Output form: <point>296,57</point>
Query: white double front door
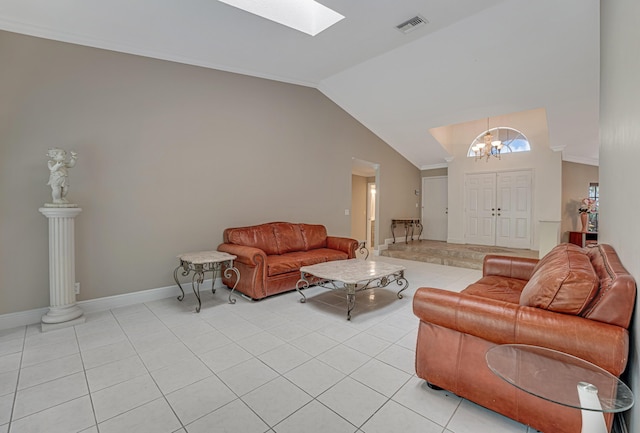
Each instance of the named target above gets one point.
<point>498,209</point>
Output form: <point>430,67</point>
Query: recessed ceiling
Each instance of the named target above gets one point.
<point>473,59</point>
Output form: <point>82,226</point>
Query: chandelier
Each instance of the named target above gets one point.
<point>488,147</point>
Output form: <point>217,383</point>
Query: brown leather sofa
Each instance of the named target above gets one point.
<point>270,255</point>
<point>574,300</point>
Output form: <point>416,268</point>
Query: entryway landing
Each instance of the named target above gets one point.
<point>443,253</point>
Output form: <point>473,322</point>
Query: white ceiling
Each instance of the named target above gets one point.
<point>474,59</point>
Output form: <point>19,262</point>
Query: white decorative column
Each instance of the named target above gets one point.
<point>63,310</point>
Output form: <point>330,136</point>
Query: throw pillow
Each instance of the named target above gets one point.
<point>564,281</point>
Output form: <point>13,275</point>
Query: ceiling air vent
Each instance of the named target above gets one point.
<point>412,24</point>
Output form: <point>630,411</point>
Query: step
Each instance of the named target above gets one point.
<point>434,257</point>
<point>439,252</point>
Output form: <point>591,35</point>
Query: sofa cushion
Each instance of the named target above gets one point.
<point>315,236</point>
<point>288,237</point>
<point>292,262</point>
<point>497,287</point>
<point>260,236</point>
<point>330,255</point>
<point>563,281</point>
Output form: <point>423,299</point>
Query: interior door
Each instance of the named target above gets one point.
<point>435,216</point>
<point>480,208</point>
<point>513,211</point>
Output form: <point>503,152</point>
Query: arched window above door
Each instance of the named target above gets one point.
<point>512,140</point>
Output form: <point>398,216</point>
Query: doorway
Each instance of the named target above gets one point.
<point>498,209</point>
<point>364,201</point>
<point>371,214</point>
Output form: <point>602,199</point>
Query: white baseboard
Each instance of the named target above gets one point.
<point>385,245</point>
<point>22,318</point>
<point>29,317</point>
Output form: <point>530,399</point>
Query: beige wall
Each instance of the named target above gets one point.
<point>545,164</point>
<point>619,155</point>
<point>359,207</point>
<point>575,186</point>
<point>169,155</point>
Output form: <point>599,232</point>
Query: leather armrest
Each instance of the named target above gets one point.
<point>248,255</point>
<point>347,245</point>
<point>505,266</point>
<point>502,322</point>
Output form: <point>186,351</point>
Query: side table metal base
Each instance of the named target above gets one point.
<point>199,263</point>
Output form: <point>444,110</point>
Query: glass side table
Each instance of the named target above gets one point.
<point>563,379</point>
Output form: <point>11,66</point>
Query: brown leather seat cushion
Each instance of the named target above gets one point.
<point>564,281</point>
<point>497,287</point>
<point>292,262</point>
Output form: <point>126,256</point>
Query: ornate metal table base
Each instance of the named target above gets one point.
<point>363,250</point>
<point>353,283</point>
<point>409,223</point>
<point>206,261</point>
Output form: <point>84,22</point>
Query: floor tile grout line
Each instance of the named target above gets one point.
<point>15,393</point>
<point>446,427</point>
<point>414,375</point>
<point>315,399</point>
<point>86,379</point>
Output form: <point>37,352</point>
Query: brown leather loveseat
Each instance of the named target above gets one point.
<point>574,300</point>
<point>270,255</point>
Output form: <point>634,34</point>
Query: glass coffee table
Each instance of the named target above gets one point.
<point>563,379</point>
<point>352,275</point>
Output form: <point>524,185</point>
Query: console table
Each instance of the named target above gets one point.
<point>582,239</point>
<point>201,262</point>
<point>563,379</point>
<point>409,224</point>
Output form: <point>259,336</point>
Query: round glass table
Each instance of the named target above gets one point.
<point>563,379</point>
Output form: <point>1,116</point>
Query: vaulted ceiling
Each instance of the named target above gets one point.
<point>474,59</point>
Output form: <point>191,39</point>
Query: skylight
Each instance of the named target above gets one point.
<point>307,16</point>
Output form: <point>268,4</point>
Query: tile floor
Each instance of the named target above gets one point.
<point>270,366</point>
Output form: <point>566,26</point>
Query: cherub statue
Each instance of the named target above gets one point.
<point>59,173</point>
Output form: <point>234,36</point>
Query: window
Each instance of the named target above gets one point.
<point>512,140</point>
<point>594,194</point>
